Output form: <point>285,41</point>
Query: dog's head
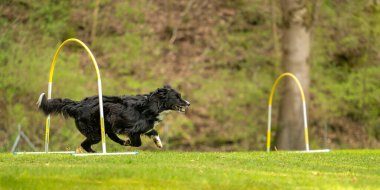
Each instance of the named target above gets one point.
<point>170,99</point>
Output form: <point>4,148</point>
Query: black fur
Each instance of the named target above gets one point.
<point>124,115</point>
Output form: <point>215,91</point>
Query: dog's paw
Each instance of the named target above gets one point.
<point>127,142</point>
<point>79,149</point>
<point>157,141</point>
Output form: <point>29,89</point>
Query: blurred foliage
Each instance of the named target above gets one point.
<point>219,54</point>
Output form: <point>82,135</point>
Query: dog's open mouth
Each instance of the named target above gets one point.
<point>180,108</point>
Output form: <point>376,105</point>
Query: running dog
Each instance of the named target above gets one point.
<point>131,116</point>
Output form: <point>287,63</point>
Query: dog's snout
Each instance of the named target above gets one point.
<point>187,103</point>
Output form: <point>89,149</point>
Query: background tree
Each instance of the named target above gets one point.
<point>295,55</point>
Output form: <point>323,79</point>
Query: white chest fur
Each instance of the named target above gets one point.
<point>161,116</point>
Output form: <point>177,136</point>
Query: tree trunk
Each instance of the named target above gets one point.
<point>295,55</point>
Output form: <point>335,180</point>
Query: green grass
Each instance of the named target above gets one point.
<point>194,170</point>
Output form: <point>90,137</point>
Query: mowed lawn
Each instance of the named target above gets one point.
<point>358,169</point>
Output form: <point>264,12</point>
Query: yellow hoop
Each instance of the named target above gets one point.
<point>99,91</point>
<point>270,109</point>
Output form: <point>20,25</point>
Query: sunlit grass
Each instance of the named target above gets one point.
<point>194,170</point>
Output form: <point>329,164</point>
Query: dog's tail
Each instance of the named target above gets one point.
<point>56,106</point>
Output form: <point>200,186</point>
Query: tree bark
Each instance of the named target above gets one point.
<point>295,54</point>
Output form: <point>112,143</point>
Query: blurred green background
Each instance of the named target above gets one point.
<point>220,54</point>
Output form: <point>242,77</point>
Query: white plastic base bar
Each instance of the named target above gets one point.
<point>106,154</point>
<point>57,152</point>
<point>315,151</point>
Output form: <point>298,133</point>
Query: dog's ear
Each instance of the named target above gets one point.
<point>162,92</point>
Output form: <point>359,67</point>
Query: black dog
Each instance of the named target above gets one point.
<point>125,115</point>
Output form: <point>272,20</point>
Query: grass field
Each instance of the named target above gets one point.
<point>358,169</point>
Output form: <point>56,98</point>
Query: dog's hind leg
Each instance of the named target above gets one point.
<point>86,144</point>
<point>115,138</point>
<point>153,134</point>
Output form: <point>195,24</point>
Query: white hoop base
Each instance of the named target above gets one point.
<point>57,152</point>
<point>314,151</point>
<point>79,154</point>
<point>106,154</point>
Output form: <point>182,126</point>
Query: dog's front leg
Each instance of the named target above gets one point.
<point>155,137</point>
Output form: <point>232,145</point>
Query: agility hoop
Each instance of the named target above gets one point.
<point>304,113</point>
<point>50,85</point>
<point>100,95</point>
